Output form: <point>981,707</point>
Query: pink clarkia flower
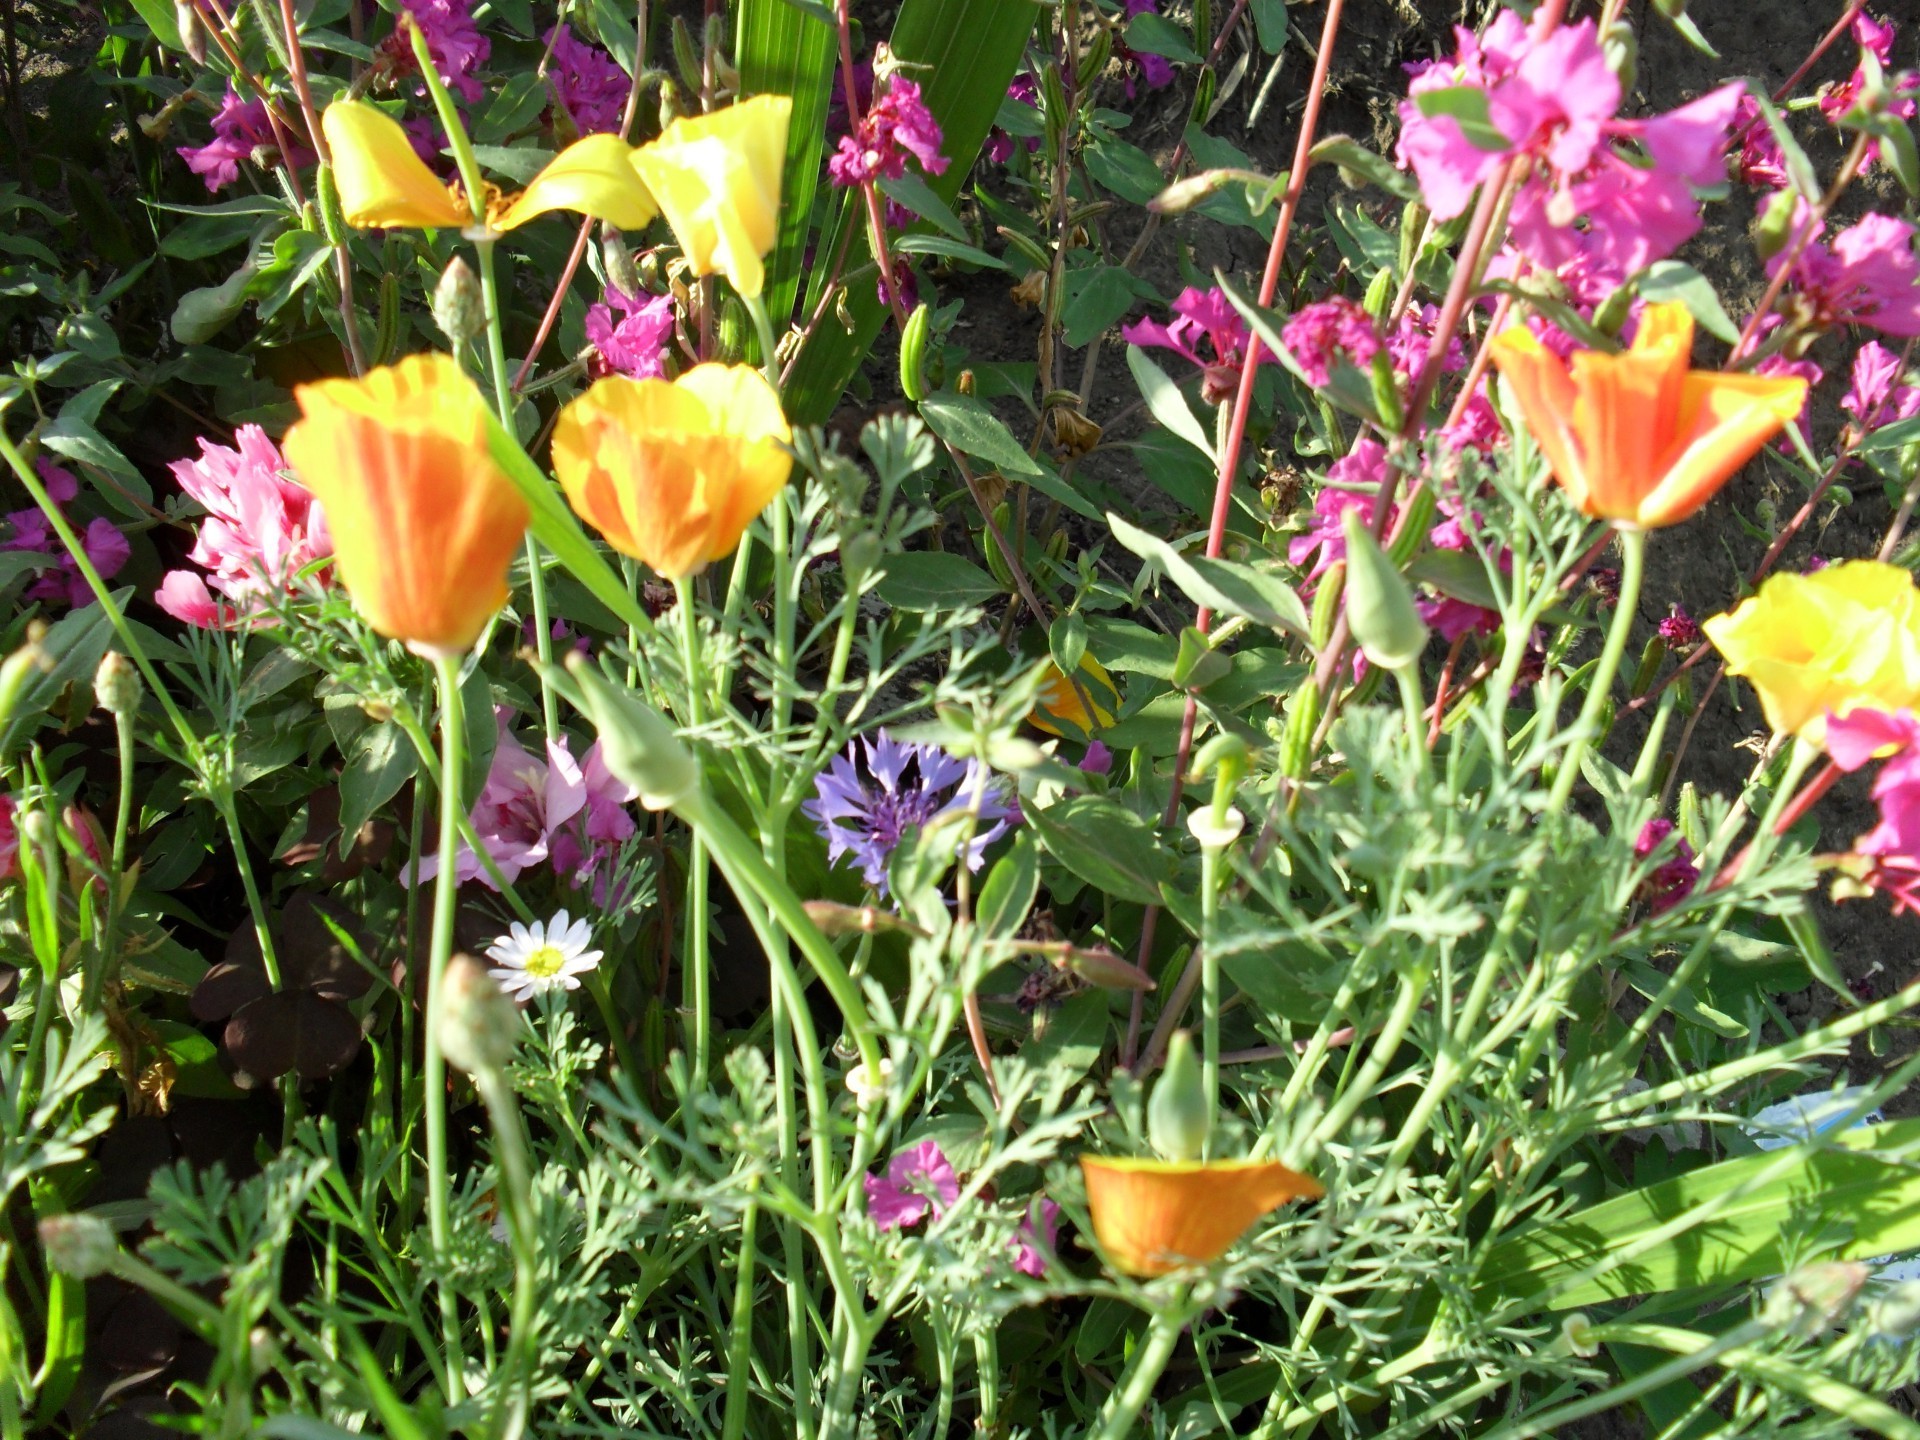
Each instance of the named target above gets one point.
<point>1155,70</point>
<point>918,1182</point>
<point>1352,484</point>
<point>1000,144</point>
<point>1412,337</point>
<point>1761,163</point>
<point>1877,395</point>
<point>1028,1256</point>
<point>1894,844</point>
<point>562,813</point>
<point>634,345</point>
<point>1868,276</point>
<point>453,40</point>
<point>60,581</point>
<point>1679,629</point>
<point>1208,332</point>
<point>262,529</point>
<point>1900,89</point>
<point>1779,365</point>
<point>898,125</point>
<point>240,128</point>
<point>1674,878</point>
<point>1315,334</point>
<point>589,84</point>
<point>9,839</point>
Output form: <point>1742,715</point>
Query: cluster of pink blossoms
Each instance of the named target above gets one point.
<point>569,814</point>
<point>262,529</point>
<point>240,131</point>
<point>59,581</point>
<point>1762,162</point>
<point>921,1181</point>
<point>588,83</point>
<point>1879,393</point>
<point>453,40</point>
<point>635,345</point>
<point>1892,848</point>
<point>897,125</point>
<point>1201,318</point>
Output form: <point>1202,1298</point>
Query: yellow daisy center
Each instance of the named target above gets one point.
<point>545,962</point>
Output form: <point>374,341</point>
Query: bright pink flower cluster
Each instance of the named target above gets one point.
<point>635,345</point>
<point>1588,203</point>
<point>453,40</point>
<point>1673,879</point>
<point>571,815</point>
<point>897,125</point>
<point>240,129</point>
<point>1875,37</point>
<point>1201,318</point>
<point>1893,846</point>
<point>1867,276</point>
<point>59,581</point>
<point>262,529</point>
<point>1880,394</point>
<point>588,82</point>
<point>921,1181</point>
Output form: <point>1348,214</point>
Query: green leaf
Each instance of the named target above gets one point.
<point>783,49</point>
<point>1156,35</point>
<point>1876,1198</point>
<point>972,429</point>
<point>482,730</point>
<point>1674,280</point>
<point>1106,845</point>
<point>935,580</point>
<point>202,314</point>
<point>519,163</point>
<point>913,192</point>
<point>948,249</point>
<point>74,438</point>
<point>518,104</point>
<point>1011,886</point>
<point>1270,24</point>
<point>1221,585</point>
<point>383,760</point>
<point>1466,106</point>
<point>1350,155</point>
<point>964,53</point>
<point>1126,170</point>
<point>1097,296</point>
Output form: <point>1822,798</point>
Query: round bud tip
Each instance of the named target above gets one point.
<point>78,1245</point>
<point>479,1025</point>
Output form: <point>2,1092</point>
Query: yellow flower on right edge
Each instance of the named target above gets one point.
<point>717,180</point>
<point>1639,438</point>
<point>1841,639</point>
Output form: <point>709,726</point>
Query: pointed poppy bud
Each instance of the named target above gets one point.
<point>1638,438</point>
<point>673,472</point>
<point>717,180</point>
<point>424,522</point>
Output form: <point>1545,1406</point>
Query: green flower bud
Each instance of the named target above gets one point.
<point>479,1024</point>
<point>1379,602</point>
<point>636,741</point>
<point>78,1245</point>
<point>1303,720</point>
<point>1180,1112</point>
<point>1326,605</point>
<point>459,309</point>
<point>116,684</point>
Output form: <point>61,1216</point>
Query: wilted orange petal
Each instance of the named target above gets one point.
<point>1153,1216</point>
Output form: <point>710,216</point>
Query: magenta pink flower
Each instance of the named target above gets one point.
<point>453,40</point>
<point>1893,846</point>
<point>1028,1257</point>
<point>1761,164</point>
<point>1868,276</point>
<point>1155,70</point>
<point>1335,327</point>
<point>897,126</point>
<point>1875,38</point>
<point>240,128</point>
<point>918,1182</point>
<point>9,839</point>
<point>1878,396</point>
<point>589,84</point>
<point>1412,336</point>
<point>1353,481</point>
<point>636,344</point>
<point>1680,630</point>
<point>60,582</point>
<point>1000,145</point>
<point>565,814</point>
<point>1674,878</point>
<point>1201,318</point>
<point>262,529</point>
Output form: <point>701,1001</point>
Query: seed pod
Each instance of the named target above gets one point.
<point>386,322</point>
<point>996,561</point>
<point>330,217</point>
<point>1303,719</point>
<point>618,259</point>
<point>1379,294</point>
<point>1094,61</point>
<point>1326,605</point>
<point>1417,519</point>
<point>1775,226</point>
<point>913,351</point>
<point>459,309</point>
<point>193,39</point>
<point>1386,392</point>
<point>1379,602</point>
<point>685,58</point>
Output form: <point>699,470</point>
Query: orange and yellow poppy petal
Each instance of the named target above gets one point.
<point>424,523</point>
<point>1152,1217</point>
<point>717,181</point>
<point>746,409</point>
<point>1088,706</point>
<point>382,183</point>
<point>1544,391</point>
<point>1722,423</point>
<point>1623,417</point>
<point>593,176</point>
<point>621,473</point>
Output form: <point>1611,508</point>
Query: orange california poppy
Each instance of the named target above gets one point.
<point>673,472</point>
<point>424,523</point>
<point>1154,1216</point>
<point>1638,438</point>
<point>1088,706</point>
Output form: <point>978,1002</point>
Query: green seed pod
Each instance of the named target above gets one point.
<point>686,59</point>
<point>1421,504</point>
<point>1386,392</point>
<point>913,352</point>
<point>1180,1112</point>
<point>1774,228</point>
<point>1303,720</point>
<point>386,322</point>
<point>1326,605</point>
<point>1203,92</point>
<point>636,741</point>
<point>331,219</point>
<point>619,262</point>
<point>1413,224</point>
<point>1379,602</point>
<point>1614,310</point>
<point>1651,659</point>
<point>996,561</point>
<point>1379,294</point>
<point>1093,62</point>
<point>732,334</point>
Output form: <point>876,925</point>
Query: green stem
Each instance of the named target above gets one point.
<point>986,1369</point>
<point>1149,1363</point>
<point>696,981</point>
<point>1633,557</point>
<point>516,1189</point>
<point>740,1340</point>
<point>433,1069</point>
<point>1210,858</point>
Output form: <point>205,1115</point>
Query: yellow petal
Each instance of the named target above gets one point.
<point>717,179</point>
<point>1152,1217</point>
<point>382,183</point>
<point>424,523</point>
<point>594,176</point>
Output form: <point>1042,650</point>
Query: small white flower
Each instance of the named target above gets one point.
<point>529,961</point>
<point>864,1090</point>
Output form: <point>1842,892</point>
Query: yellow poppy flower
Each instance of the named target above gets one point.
<point>1841,639</point>
<point>383,184</point>
<point>1155,1216</point>
<point>1638,438</point>
<point>672,472</point>
<point>1089,706</point>
<point>424,524</point>
<point>717,180</point>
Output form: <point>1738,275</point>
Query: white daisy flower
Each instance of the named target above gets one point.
<point>529,961</point>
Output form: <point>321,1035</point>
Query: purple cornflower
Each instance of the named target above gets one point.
<point>240,129</point>
<point>878,788</point>
<point>1316,333</point>
<point>1201,316</point>
<point>590,86</point>
<point>1674,878</point>
<point>1679,629</point>
<point>917,1181</point>
<point>898,125</point>
<point>636,344</point>
<point>1000,145</point>
<point>61,582</point>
